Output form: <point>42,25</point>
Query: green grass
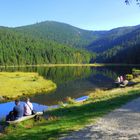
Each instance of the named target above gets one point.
<point>15,84</point>
<point>72,117</point>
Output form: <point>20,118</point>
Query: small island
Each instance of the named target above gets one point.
<point>16,84</point>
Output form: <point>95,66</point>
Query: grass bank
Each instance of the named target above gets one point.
<point>15,84</point>
<point>72,117</point>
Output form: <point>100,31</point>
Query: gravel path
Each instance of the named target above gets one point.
<point>121,124</point>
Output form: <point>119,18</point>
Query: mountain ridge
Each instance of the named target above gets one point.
<point>105,46</point>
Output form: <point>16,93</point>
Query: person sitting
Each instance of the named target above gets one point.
<point>10,116</point>
<point>118,79</point>
<point>117,82</point>
<point>121,79</point>
<point>16,113</point>
<point>18,110</point>
<point>28,107</point>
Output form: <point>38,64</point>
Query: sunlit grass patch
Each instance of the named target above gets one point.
<point>14,84</point>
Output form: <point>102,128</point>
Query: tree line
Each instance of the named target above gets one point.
<point>19,49</point>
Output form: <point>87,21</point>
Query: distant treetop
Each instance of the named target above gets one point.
<point>128,2</point>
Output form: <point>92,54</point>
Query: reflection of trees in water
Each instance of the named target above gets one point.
<point>105,72</point>
<point>121,70</point>
<point>64,74</point>
<point>71,81</point>
<point>57,74</point>
<point>74,82</point>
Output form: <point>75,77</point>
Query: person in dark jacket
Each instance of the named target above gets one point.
<point>16,113</point>
<point>18,110</point>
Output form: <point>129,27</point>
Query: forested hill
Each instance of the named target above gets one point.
<point>121,45</point>
<point>114,37</point>
<point>109,45</point>
<point>20,49</point>
<point>62,33</point>
<point>55,42</point>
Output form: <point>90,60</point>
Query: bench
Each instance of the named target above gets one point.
<point>24,118</point>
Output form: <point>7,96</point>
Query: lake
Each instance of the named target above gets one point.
<point>71,82</point>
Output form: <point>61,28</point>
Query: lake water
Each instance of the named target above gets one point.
<point>71,82</point>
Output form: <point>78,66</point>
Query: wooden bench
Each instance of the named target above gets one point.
<point>24,118</point>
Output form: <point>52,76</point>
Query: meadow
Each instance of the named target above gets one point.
<point>17,84</point>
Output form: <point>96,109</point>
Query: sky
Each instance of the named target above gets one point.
<point>85,14</point>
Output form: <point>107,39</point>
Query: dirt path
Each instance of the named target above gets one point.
<point>121,124</point>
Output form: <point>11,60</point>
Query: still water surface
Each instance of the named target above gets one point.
<point>71,82</point>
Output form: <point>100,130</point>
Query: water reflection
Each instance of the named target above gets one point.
<point>71,81</point>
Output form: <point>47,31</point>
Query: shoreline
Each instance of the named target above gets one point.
<point>75,116</point>
<point>70,65</point>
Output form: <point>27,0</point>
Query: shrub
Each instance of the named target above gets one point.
<point>61,104</point>
<point>135,72</point>
<point>96,94</point>
<point>129,76</point>
<point>69,100</point>
<point>35,78</point>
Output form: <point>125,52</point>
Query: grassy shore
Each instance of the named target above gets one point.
<point>74,116</point>
<point>15,84</point>
<point>71,65</point>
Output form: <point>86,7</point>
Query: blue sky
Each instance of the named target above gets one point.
<point>85,14</point>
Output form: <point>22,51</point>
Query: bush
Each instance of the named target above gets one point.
<point>135,72</point>
<point>129,76</point>
<point>96,94</point>
<point>61,104</point>
<point>69,100</point>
